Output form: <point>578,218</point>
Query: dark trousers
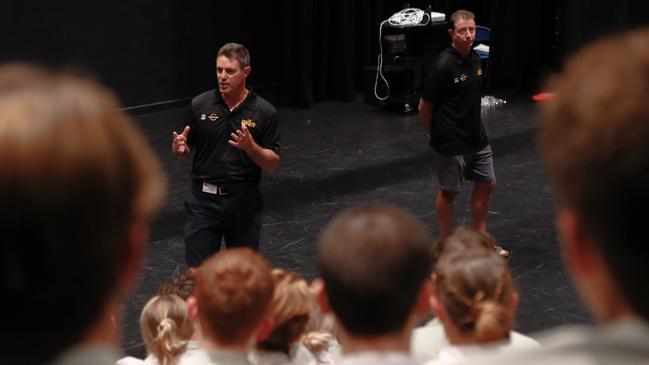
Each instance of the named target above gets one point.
<point>234,214</point>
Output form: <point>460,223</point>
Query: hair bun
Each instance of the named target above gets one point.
<point>492,321</point>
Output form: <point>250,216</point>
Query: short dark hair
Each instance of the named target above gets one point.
<point>374,260</point>
<point>461,14</point>
<point>594,137</point>
<point>76,176</point>
<point>235,51</point>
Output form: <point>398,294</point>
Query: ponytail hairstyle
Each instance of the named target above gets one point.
<point>320,331</point>
<point>290,310</point>
<point>166,328</point>
<point>476,288</point>
<point>317,341</point>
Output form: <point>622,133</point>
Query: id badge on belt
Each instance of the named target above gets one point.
<point>213,189</point>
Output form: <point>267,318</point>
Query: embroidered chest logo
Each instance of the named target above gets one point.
<point>203,116</point>
<point>213,117</point>
<point>463,77</point>
<point>478,71</point>
<point>248,123</point>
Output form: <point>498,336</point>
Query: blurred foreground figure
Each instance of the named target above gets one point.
<point>79,185</point>
<point>594,142</point>
<point>375,263</point>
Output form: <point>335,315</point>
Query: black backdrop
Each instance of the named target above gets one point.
<point>303,51</point>
<point>148,51</point>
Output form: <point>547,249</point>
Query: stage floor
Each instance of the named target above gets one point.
<point>337,155</point>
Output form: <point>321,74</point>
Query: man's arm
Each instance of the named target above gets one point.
<point>265,158</point>
<point>425,114</point>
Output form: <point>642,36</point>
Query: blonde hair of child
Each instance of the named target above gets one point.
<point>166,327</point>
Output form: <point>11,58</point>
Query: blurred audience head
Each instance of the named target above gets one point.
<point>181,285</point>
<point>474,294</point>
<point>166,328</point>
<point>375,262</point>
<point>594,135</point>
<point>290,311</point>
<point>79,186</point>
<point>234,289</point>
<point>463,239</point>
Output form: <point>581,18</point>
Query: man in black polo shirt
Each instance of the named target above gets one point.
<point>450,111</point>
<point>233,135</point>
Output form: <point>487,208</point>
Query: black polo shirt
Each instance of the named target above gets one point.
<point>212,122</point>
<point>453,86</point>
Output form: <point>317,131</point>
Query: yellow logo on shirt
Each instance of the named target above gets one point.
<point>248,123</point>
<point>213,117</point>
<point>479,71</point>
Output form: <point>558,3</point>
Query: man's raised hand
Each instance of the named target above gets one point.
<point>179,143</point>
<point>242,139</point>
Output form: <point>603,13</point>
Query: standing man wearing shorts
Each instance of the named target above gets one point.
<point>449,110</point>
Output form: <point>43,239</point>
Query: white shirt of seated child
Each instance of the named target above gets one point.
<point>428,340</point>
<point>429,344</point>
<point>378,358</point>
<point>298,355</point>
<point>93,354</point>
<point>453,354</point>
<point>621,342</point>
<point>203,356</point>
<point>192,347</point>
<point>331,355</point>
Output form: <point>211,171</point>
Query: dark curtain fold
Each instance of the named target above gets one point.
<point>325,46</point>
<point>327,43</point>
<point>587,21</point>
<point>303,51</point>
<point>296,57</point>
<point>523,39</point>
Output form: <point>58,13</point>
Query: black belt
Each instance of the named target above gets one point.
<point>217,189</point>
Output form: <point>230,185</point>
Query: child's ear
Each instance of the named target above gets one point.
<point>192,308</point>
<point>433,300</point>
<point>266,327</point>
<point>320,293</point>
<point>422,305</point>
<point>513,304</point>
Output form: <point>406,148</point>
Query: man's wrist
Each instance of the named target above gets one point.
<point>183,153</point>
<point>252,149</point>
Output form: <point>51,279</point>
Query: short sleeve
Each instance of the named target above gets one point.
<point>433,83</point>
<point>270,134</point>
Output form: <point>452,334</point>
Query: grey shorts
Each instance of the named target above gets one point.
<point>453,170</point>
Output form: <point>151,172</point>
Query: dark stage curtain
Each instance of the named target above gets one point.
<point>325,45</point>
<point>523,45</point>
<point>586,21</point>
<point>303,51</point>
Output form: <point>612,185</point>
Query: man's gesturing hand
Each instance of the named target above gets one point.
<point>242,139</point>
<point>179,144</point>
